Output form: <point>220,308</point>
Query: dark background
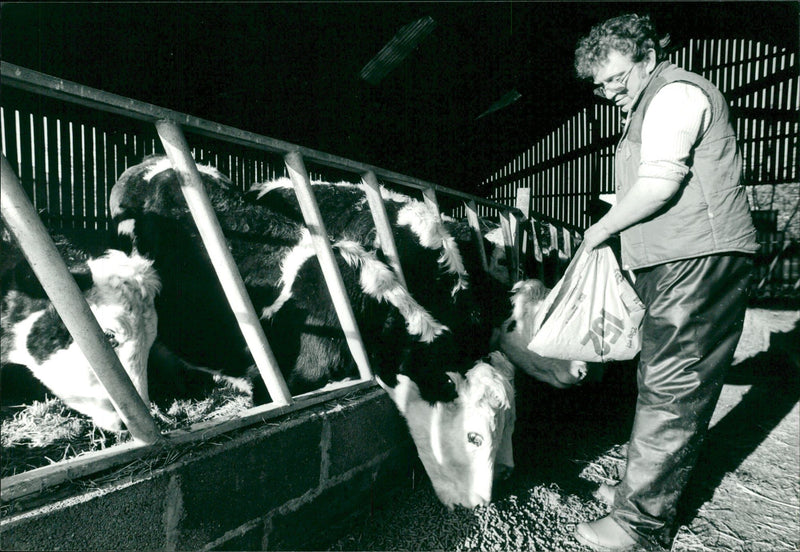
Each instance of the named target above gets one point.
<point>291,70</point>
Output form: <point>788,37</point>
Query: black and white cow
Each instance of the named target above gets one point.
<point>517,331</point>
<point>422,339</point>
<point>120,290</point>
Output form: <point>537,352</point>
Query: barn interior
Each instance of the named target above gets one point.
<point>447,92</point>
<point>469,87</point>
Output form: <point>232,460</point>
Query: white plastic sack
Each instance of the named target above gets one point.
<point>592,314</point>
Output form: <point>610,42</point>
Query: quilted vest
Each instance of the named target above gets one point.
<point>709,214</point>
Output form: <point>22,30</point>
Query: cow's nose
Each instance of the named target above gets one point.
<point>477,499</point>
<point>502,472</point>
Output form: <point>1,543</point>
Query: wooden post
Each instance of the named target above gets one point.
<point>330,269</point>
<point>382,224</point>
<point>228,273</point>
<point>38,248</point>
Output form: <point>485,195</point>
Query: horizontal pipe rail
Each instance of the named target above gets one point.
<point>46,262</point>
<point>47,85</point>
<point>207,224</point>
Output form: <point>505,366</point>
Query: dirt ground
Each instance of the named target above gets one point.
<point>744,494</point>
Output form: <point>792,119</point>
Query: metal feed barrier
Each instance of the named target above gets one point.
<point>38,248</point>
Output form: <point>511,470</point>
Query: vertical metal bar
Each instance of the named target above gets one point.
<point>60,286</point>
<point>429,196</point>
<point>330,269</point>
<point>567,242</point>
<point>553,237</point>
<point>207,224</point>
<point>537,249</point>
<point>474,223</point>
<point>512,256</point>
<point>382,224</point>
<point>519,243</point>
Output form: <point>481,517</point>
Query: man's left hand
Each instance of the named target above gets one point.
<point>595,236</point>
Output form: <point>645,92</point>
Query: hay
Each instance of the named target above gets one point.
<point>46,432</point>
<point>41,424</point>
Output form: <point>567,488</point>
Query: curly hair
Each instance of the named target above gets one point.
<point>628,34</point>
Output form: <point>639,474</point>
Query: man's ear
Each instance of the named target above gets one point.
<point>651,60</point>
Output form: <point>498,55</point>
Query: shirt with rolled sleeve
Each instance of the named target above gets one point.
<point>678,115</point>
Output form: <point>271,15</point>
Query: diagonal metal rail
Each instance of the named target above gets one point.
<point>221,258</point>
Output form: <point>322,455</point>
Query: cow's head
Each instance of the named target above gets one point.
<point>517,331</point>
<point>121,299</point>
<point>464,442</point>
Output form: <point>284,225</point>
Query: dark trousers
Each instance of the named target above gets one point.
<point>695,314</point>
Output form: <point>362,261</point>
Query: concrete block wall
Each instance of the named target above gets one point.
<point>279,486</point>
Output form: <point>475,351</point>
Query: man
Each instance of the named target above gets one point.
<point>686,233</point>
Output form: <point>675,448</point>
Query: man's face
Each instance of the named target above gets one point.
<point>621,79</point>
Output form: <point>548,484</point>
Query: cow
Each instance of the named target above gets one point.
<point>517,331</point>
<point>464,444</point>
<point>120,291</point>
<point>513,333</point>
<point>422,338</point>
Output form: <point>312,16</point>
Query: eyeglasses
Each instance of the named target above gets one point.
<point>617,84</point>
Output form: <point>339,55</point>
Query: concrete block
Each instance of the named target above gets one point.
<point>357,436</point>
<point>248,539</point>
<point>314,524</point>
<point>247,480</point>
<point>125,517</point>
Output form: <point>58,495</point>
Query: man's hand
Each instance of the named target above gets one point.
<point>595,235</point>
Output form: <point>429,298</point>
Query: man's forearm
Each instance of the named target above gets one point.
<point>646,197</point>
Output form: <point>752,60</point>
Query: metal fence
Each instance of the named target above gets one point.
<point>564,171</point>
<point>65,144</point>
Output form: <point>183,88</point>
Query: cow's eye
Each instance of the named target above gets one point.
<point>112,339</point>
<point>511,326</point>
<point>475,438</point>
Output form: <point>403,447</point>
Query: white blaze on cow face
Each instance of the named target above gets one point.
<point>517,331</point>
<point>121,300</point>
<point>461,443</point>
